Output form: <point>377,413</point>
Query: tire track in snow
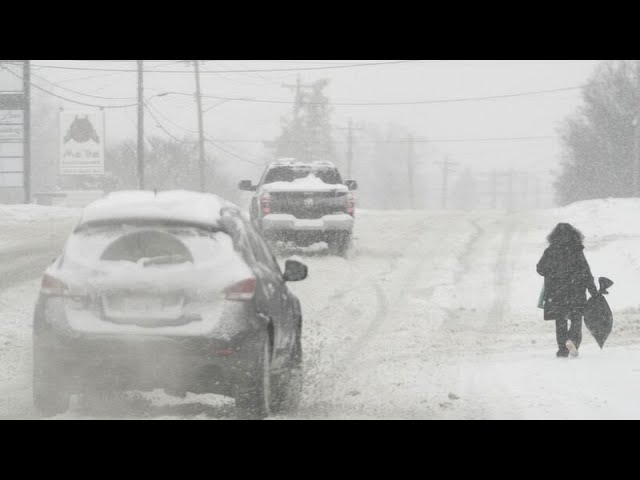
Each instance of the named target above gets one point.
<point>389,301</point>
<point>331,378</point>
<point>502,288</point>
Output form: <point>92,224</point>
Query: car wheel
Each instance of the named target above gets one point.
<point>253,399</point>
<point>50,396</point>
<point>287,392</point>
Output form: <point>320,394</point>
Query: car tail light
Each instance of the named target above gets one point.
<point>244,290</point>
<point>53,286</point>
<point>351,204</point>
<point>225,352</point>
<point>265,204</point>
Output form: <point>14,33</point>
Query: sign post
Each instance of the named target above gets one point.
<point>14,136</point>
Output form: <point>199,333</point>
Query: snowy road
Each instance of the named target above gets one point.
<point>432,317</point>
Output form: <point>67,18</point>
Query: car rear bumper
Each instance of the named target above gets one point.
<point>278,222</point>
<point>145,362</point>
<point>180,365</point>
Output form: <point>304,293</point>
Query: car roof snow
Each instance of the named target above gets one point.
<point>179,206</point>
<point>292,162</point>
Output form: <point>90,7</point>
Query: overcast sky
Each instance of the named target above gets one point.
<point>522,116</point>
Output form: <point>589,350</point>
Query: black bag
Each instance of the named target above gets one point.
<point>597,314</point>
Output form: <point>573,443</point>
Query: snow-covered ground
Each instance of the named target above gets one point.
<point>432,317</point>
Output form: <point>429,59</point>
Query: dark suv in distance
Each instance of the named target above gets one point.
<point>305,203</point>
<point>173,290</point>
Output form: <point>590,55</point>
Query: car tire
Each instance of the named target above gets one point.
<point>253,398</point>
<point>50,397</point>
<point>287,391</point>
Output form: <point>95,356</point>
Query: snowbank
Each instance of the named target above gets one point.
<point>11,215</point>
<point>612,239</point>
<point>34,226</point>
<point>535,385</point>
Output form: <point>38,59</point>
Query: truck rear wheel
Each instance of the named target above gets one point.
<point>340,244</point>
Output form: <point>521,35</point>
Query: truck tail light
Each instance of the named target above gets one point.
<point>265,204</point>
<point>350,206</point>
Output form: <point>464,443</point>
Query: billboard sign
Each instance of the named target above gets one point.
<point>81,143</point>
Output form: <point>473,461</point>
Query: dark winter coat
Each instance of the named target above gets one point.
<point>567,277</point>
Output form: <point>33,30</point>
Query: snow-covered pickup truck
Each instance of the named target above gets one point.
<point>305,203</point>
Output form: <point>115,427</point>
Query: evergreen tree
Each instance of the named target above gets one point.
<point>598,140</point>
<point>307,134</point>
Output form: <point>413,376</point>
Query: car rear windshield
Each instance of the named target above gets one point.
<point>147,244</point>
<point>289,174</point>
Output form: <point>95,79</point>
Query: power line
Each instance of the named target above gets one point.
<point>105,75</point>
<point>208,140</point>
<point>218,146</point>
<point>159,112</point>
<point>163,128</point>
<point>394,102</point>
<point>69,99</point>
<point>419,140</point>
<point>297,69</point>
<point>81,93</point>
<point>353,103</point>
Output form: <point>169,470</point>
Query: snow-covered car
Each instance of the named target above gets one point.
<point>304,202</point>
<point>172,290</point>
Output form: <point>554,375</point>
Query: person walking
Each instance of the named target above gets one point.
<point>567,277</point>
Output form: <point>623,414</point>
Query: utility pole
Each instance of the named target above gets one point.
<point>26,76</point>
<point>200,126</point>
<point>494,190</point>
<point>446,168</point>
<point>350,130</point>
<point>297,105</point>
<point>140,125</point>
<point>410,169</point>
<point>636,158</point>
<point>349,148</point>
<point>526,194</point>
<point>297,108</point>
<point>298,100</point>
<point>510,202</point>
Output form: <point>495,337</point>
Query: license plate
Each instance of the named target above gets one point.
<point>139,304</point>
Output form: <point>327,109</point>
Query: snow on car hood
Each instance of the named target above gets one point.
<point>310,183</point>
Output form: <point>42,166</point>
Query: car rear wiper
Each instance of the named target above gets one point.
<point>164,259</point>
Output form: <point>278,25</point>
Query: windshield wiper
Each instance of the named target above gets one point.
<point>164,260</point>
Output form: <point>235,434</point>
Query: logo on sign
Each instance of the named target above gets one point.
<point>81,130</point>
<point>81,143</point>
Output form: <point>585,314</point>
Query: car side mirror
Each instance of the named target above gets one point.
<point>351,184</point>
<point>247,186</point>
<point>295,271</point>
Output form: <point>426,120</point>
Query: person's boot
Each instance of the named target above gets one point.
<point>573,350</point>
<point>563,352</point>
